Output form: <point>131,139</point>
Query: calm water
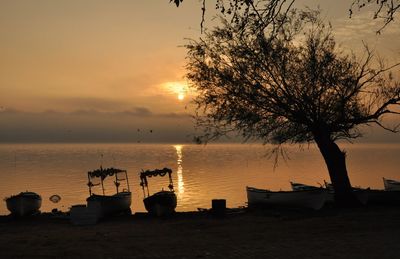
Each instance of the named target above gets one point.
<point>200,173</point>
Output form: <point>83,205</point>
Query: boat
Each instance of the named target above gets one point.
<point>106,205</point>
<point>390,195</point>
<point>24,204</point>
<point>161,203</point>
<point>391,185</point>
<point>361,194</point>
<point>311,199</point>
<point>301,187</point>
<point>380,197</point>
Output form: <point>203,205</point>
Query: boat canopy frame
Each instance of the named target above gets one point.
<point>103,173</point>
<point>153,173</point>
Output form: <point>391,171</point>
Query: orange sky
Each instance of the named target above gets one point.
<point>110,57</point>
<point>103,55</point>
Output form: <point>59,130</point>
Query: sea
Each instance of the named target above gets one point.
<point>200,172</point>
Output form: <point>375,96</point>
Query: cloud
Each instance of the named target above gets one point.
<point>362,28</point>
<point>142,112</point>
<point>87,103</point>
<point>95,126</point>
<point>6,110</point>
<point>138,111</point>
<point>137,125</point>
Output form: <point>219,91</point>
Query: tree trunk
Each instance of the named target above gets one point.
<point>335,160</point>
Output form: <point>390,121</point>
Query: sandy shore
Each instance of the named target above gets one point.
<point>372,232</point>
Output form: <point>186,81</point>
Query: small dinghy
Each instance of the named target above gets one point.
<point>161,203</point>
<point>24,204</point>
<point>311,199</point>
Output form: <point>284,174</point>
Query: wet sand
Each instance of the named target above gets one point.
<point>371,232</point>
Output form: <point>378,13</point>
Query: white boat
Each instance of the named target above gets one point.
<point>301,187</point>
<point>312,199</point>
<point>24,204</point>
<point>391,185</point>
<point>360,193</point>
<point>106,205</point>
<point>111,204</point>
<point>161,203</point>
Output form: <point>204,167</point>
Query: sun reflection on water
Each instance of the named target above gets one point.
<point>181,184</point>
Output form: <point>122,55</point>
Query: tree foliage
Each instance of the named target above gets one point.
<point>176,2</point>
<point>280,78</point>
<point>285,81</point>
<point>383,9</point>
<point>273,73</point>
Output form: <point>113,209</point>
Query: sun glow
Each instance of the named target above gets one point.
<point>179,89</point>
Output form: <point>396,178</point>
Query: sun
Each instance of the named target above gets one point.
<point>177,88</point>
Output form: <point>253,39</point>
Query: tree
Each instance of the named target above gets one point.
<point>235,8</point>
<point>383,9</point>
<point>286,82</point>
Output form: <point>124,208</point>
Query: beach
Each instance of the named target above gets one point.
<point>367,232</point>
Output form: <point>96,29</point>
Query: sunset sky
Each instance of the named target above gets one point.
<point>96,70</point>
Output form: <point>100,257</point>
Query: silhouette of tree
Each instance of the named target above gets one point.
<point>177,2</point>
<point>286,82</point>
<point>383,9</point>
<point>235,8</point>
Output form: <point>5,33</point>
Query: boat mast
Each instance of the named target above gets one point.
<point>116,181</point>
<point>171,184</point>
<point>89,184</point>
<point>102,185</point>
<point>127,181</point>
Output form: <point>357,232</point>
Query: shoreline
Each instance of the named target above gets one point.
<point>365,232</point>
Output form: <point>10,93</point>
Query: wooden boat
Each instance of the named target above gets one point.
<point>160,203</point>
<point>106,205</point>
<point>24,204</point>
<point>391,185</point>
<point>383,197</point>
<point>360,193</point>
<point>312,199</point>
<point>302,187</point>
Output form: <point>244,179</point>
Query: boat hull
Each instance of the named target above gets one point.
<point>361,194</point>
<point>161,203</point>
<point>311,199</point>
<point>384,197</point>
<point>24,204</point>
<point>391,185</point>
<point>110,204</point>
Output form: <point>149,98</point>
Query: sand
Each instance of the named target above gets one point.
<point>369,232</point>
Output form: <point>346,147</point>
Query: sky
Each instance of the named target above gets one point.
<point>113,71</point>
